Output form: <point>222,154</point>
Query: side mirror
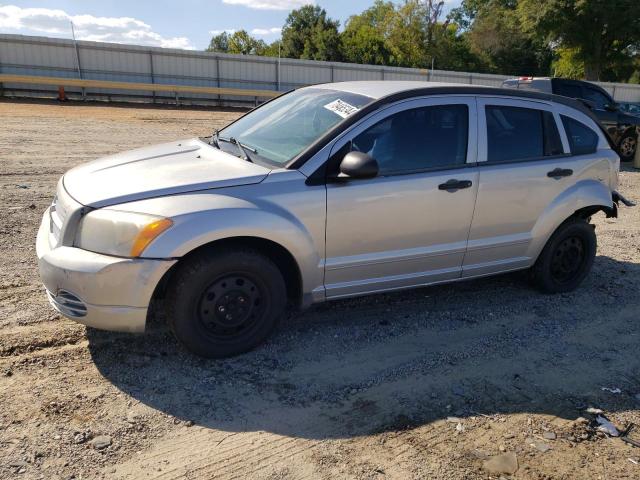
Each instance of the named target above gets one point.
<point>612,107</point>
<point>358,165</point>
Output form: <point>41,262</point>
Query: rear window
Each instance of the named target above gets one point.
<point>582,140</point>
<point>516,133</point>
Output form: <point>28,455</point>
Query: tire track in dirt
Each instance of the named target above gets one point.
<point>29,340</point>
<point>250,453</point>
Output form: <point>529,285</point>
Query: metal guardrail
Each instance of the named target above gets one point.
<point>153,87</point>
<point>166,71</point>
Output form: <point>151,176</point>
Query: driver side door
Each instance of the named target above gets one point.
<point>408,226</point>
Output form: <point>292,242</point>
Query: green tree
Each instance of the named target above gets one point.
<point>496,34</point>
<point>310,34</point>
<point>365,37</point>
<point>219,43</point>
<point>239,42</point>
<point>568,64</point>
<point>407,35</point>
<point>273,49</point>
<point>603,33</point>
<point>451,50</point>
<point>243,43</point>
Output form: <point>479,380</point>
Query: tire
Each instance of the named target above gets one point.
<point>627,146</point>
<point>225,303</point>
<point>567,257</point>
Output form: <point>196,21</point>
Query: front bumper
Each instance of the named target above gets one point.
<point>100,291</point>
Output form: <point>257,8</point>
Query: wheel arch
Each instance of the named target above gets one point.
<point>283,258</point>
<point>582,200</point>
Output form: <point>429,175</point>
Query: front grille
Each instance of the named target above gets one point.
<point>67,304</point>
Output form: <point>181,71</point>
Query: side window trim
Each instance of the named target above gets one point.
<point>563,135</point>
<point>483,145</point>
<point>374,118</point>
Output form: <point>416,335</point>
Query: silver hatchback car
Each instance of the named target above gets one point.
<point>327,192</point>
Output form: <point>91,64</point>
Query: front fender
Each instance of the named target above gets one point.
<point>200,219</point>
<point>583,194</point>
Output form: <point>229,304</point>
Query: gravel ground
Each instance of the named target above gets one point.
<point>467,381</point>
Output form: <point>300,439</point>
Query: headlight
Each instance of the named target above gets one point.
<point>123,234</point>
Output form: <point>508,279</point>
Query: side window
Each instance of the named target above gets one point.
<point>597,97</point>
<point>569,90</point>
<point>582,139</point>
<point>516,133</point>
<point>417,139</point>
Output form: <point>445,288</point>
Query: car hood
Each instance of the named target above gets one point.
<point>630,118</point>
<point>170,168</point>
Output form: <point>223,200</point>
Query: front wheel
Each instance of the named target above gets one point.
<point>567,257</point>
<point>225,303</point>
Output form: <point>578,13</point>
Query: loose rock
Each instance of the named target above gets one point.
<point>539,445</point>
<point>133,417</point>
<point>506,463</point>
<point>101,442</point>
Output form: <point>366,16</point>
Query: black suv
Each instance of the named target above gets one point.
<point>622,127</point>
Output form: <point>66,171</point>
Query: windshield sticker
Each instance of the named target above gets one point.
<point>341,108</point>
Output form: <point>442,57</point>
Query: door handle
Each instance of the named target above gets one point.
<point>453,185</point>
<point>560,172</point>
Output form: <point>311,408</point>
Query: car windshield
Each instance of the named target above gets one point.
<point>282,128</point>
<point>632,108</point>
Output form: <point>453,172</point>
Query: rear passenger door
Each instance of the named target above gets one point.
<point>524,163</point>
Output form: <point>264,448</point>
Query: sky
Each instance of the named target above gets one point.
<point>187,24</point>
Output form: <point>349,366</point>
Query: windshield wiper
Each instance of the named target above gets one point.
<point>241,146</point>
<point>214,138</point>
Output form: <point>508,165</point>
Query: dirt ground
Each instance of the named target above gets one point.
<point>431,383</point>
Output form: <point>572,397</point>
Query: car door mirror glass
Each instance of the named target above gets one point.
<point>612,107</point>
<point>358,165</point>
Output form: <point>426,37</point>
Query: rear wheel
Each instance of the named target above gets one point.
<point>567,257</point>
<point>225,303</point>
<point>627,146</point>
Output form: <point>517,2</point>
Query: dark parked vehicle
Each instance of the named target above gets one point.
<point>630,108</point>
<point>623,127</point>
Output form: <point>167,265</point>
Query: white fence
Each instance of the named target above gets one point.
<point>42,56</point>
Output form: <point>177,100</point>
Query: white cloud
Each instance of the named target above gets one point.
<point>226,30</point>
<point>87,27</point>
<point>270,4</point>
<point>266,31</point>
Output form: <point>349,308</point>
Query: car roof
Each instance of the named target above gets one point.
<point>381,88</point>
<point>389,90</point>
